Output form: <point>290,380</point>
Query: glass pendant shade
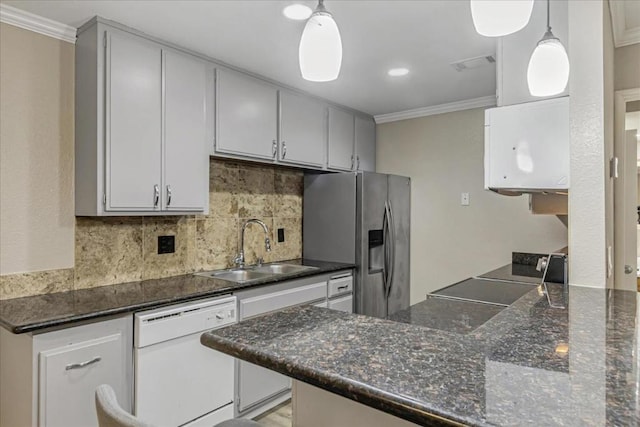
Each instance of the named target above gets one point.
<point>320,51</point>
<point>548,71</point>
<point>495,18</point>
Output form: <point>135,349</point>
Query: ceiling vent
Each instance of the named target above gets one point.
<point>472,63</point>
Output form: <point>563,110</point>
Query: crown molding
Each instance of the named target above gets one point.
<point>29,21</point>
<point>483,102</point>
<point>622,36</point>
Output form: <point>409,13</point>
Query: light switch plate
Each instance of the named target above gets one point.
<point>464,200</point>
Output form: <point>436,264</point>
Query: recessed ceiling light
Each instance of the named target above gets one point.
<point>398,72</point>
<point>297,12</point>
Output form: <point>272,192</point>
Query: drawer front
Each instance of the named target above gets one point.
<point>70,375</point>
<point>278,300</point>
<point>342,304</point>
<point>340,286</point>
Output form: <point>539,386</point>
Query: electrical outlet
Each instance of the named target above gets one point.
<point>166,244</point>
<point>464,199</point>
<point>280,235</point>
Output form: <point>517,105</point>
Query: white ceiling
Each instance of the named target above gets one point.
<point>424,36</point>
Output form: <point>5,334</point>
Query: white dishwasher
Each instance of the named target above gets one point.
<point>178,381</point>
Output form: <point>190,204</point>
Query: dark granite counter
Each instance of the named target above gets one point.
<point>515,273</point>
<point>529,364</point>
<point>29,314</point>
<point>447,315</point>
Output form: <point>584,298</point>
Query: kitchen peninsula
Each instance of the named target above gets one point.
<point>529,364</point>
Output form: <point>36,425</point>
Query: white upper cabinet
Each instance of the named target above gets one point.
<point>247,116</point>
<point>527,146</point>
<point>341,140</point>
<point>365,144</point>
<point>133,103</point>
<point>142,122</point>
<point>514,51</point>
<point>148,116</point>
<point>303,138</point>
<point>186,118</point>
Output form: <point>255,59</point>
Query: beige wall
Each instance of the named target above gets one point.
<point>627,67</point>
<point>36,151</point>
<point>443,155</point>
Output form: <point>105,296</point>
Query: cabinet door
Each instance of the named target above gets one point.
<point>341,143</point>
<point>365,144</point>
<point>69,376</point>
<point>133,123</point>
<point>342,304</point>
<point>527,146</point>
<point>247,116</point>
<point>258,384</point>
<point>302,130</point>
<point>185,154</point>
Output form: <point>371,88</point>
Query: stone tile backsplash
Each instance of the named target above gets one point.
<point>124,249</point>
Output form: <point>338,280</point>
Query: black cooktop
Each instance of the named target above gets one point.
<point>487,291</point>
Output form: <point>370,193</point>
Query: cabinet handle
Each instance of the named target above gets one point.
<point>352,162</point>
<point>284,149</point>
<point>358,162</point>
<point>156,195</point>
<point>168,195</point>
<point>341,288</point>
<point>274,148</point>
<point>83,364</point>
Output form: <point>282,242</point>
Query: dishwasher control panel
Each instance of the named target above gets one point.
<point>162,324</point>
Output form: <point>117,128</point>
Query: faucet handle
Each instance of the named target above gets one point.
<point>239,260</point>
<point>267,244</point>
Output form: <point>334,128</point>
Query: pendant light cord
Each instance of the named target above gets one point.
<point>548,18</point>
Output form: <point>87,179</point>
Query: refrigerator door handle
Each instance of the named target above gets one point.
<point>392,248</point>
<point>385,249</point>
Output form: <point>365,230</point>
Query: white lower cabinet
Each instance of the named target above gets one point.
<point>259,389</point>
<point>255,384</point>
<point>70,375</point>
<point>342,304</point>
<point>66,368</point>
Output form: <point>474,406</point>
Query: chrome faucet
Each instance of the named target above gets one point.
<point>239,260</point>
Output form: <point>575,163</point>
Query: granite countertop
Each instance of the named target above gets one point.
<point>529,364</point>
<point>29,314</point>
<point>522,268</point>
<point>515,273</point>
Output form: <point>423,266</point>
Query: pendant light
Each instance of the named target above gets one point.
<point>320,51</point>
<point>548,71</point>
<point>495,18</point>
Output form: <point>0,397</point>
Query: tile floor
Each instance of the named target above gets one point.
<point>280,416</point>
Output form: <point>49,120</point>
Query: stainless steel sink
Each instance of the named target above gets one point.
<point>284,268</point>
<point>247,274</point>
<point>236,275</point>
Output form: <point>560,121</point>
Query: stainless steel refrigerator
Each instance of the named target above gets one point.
<point>364,219</point>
